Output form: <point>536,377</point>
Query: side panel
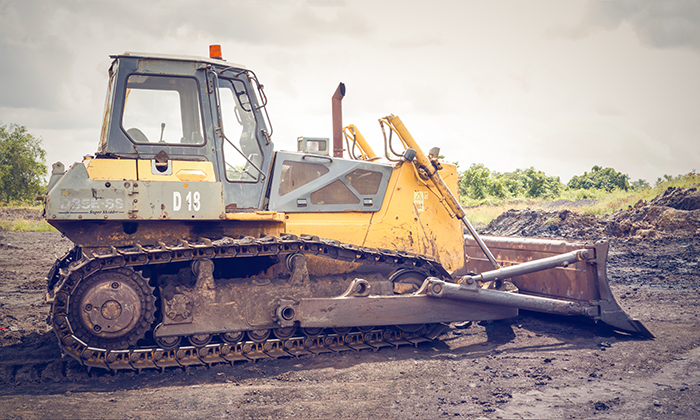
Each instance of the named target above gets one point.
<point>410,219</point>
<point>77,197</point>
<point>328,197</point>
<point>413,219</point>
<point>177,200</point>
<point>349,228</point>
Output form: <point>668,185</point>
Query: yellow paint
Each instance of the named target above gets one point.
<point>125,169</point>
<point>270,216</point>
<point>353,134</point>
<point>419,199</point>
<point>421,161</point>
<point>450,175</point>
<point>191,175</point>
<point>348,227</point>
<point>399,224</point>
<point>183,170</point>
<point>411,217</point>
<point>111,169</point>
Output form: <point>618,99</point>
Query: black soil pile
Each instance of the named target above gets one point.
<point>673,214</point>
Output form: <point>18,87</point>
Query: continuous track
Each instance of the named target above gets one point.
<point>67,273</point>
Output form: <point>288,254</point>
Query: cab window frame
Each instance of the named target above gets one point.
<point>199,102</point>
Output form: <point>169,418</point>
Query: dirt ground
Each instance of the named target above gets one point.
<point>530,367</point>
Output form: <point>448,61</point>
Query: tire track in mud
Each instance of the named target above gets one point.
<point>618,397</point>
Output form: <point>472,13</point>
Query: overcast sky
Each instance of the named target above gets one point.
<point>558,85</point>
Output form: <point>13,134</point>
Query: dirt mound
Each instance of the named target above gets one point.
<point>569,204</point>
<point>544,224</point>
<point>11,214</point>
<point>679,198</point>
<point>674,213</point>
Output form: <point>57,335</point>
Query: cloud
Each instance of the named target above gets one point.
<point>44,44</point>
<point>251,23</point>
<point>663,24</point>
<point>408,43</point>
<point>477,81</point>
<point>31,54</point>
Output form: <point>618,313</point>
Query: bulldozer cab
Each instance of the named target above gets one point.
<point>168,108</point>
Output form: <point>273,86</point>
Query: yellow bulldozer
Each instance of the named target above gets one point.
<point>197,243</point>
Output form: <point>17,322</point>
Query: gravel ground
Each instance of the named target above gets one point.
<point>529,367</point>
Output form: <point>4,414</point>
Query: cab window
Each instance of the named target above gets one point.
<point>162,109</point>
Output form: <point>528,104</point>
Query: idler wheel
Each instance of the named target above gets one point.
<point>112,309</point>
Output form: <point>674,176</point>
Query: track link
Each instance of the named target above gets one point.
<point>68,272</point>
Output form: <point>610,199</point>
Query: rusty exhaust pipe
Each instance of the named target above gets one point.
<point>337,111</point>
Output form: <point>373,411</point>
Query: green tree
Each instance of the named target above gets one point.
<point>600,178</point>
<point>666,178</point>
<point>639,184</point>
<point>513,182</point>
<point>22,164</point>
<point>478,182</point>
<point>538,184</point>
<point>497,187</point>
<point>475,181</point>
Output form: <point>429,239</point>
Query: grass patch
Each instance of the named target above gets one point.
<point>27,225</point>
<point>622,200</point>
<point>484,211</point>
<point>33,205</point>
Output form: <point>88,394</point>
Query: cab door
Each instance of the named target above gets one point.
<point>245,151</point>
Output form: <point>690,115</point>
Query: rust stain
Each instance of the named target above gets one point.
<point>320,266</point>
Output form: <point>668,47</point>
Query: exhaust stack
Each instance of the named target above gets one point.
<point>337,111</point>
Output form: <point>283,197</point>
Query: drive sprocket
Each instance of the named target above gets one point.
<point>112,309</point>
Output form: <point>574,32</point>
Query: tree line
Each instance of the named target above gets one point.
<point>479,183</point>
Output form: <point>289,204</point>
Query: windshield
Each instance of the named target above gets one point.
<point>162,109</point>
<point>242,152</point>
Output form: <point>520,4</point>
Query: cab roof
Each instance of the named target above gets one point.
<point>172,57</point>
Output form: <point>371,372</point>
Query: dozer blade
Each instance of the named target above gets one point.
<point>552,276</point>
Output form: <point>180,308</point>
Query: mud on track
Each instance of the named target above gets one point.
<point>533,366</point>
